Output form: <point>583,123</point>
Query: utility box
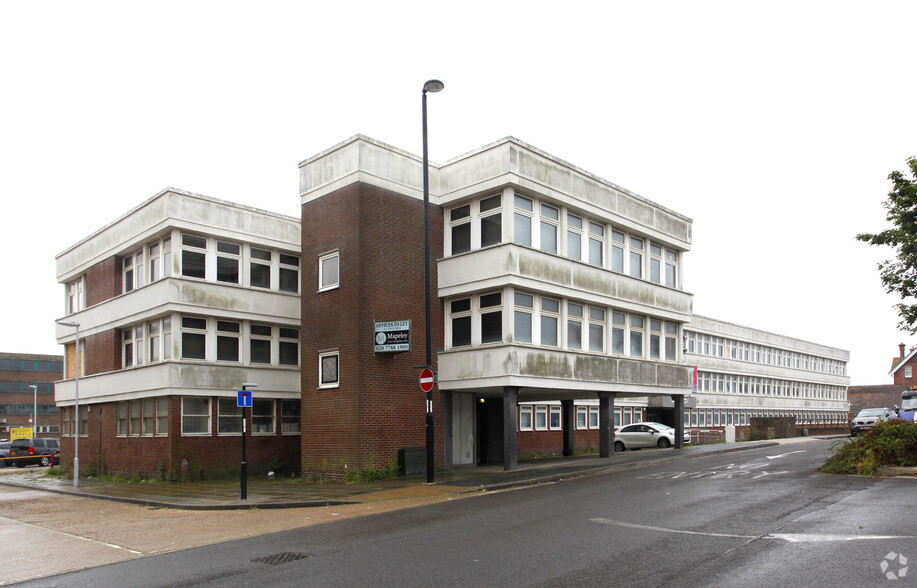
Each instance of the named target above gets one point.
<point>730,434</point>
<point>412,461</point>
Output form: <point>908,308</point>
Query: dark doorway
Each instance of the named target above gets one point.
<point>489,427</point>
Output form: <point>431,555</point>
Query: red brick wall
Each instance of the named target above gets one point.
<point>195,457</point>
<point>103,352</point>
<point>379,407</point>
<point>899,378</point>
<point>103,281</point>
<point>533,443</point>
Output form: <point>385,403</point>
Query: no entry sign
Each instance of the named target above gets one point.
<point>426,380</point>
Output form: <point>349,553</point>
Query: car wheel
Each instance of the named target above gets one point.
<point>619,447</point>
<point>663,443</point>
<point>19,464</point>
<point>45,461</point>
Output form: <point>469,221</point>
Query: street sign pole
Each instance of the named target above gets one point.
<point>244,400</point>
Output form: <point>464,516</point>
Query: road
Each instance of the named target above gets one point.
<point>750,518</point>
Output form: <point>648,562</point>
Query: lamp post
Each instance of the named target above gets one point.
<point>430,86</point>
<point>243,470</point>
<point>35,412</point>
<point>76,395</point>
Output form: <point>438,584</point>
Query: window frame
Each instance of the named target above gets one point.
<point>323,269</point>
<point>334,382</point>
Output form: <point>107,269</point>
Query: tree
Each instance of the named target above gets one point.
<point>899,275</point>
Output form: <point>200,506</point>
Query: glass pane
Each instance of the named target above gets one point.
<point>523,327</point>
<point>260,275</point>
<point>329,269</point>
<point>262,254</point>
<point>461,238</point>
<point>636,265</point>
<point>636,344</point>
<point>654,346</point>
<point>617,341</point>
<point>491,231</point>
<point>574,221</point>
<point>260,351</point>
<point>548,237</point>
<point>655,271</point>
<point>462,305</point>
<point>523,230</point>
<point>596,338</point>
<point>574,246</point>
<point>549,212</point>
<point>490,300</point>
<point>523,203</point>
<point>289,280</point>
<point>549,331</point>
<point>192,264</point>
<point>289,260</point>
<point>574,335</point>
<point>461,331</point>
<point>289,353</point>
<point>526,300</point>
<point>492,327</point>
<point>192,241</point>
<point>550,305</point>
<point>490,203</point>
<point>193,346</point>
<point>460,212</point>
<point>228,348</point>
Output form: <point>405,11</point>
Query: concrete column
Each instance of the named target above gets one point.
<point>568,414</point>
<point>510,443</point>
<point>447,429</point>
<point>606,423</point>
<point>679,402</point>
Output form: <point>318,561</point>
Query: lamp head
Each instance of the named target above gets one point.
<point>246,386</point>
<point>433,86</point>
<point>68,323</point>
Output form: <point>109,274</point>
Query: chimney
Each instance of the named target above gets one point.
<point>901,350</point>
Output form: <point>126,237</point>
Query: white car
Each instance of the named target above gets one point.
<point>640,435</point>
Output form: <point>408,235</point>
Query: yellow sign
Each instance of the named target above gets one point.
<point>20,433</point>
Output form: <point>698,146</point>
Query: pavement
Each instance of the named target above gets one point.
<point>280,492</point>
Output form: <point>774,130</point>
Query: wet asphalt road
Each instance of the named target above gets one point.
<point>763,517</point>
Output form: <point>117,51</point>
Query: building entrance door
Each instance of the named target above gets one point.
<point>489,431</point>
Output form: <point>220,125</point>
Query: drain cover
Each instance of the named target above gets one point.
<point>279,558</point>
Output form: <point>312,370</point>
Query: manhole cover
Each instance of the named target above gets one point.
<point>279,558</point>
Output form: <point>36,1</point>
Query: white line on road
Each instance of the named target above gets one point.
<point>788,537</point>
<point>784,454</point>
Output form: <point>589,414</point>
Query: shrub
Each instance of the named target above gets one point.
<point>888,443</point>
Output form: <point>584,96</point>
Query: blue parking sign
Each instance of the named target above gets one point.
<point>245,399</point>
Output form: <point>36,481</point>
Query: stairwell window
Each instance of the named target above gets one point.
<point>193,256</point>
<point>523,221</point>
<point>228,259</point>
<point>329,271</point>
<point>328,373</point>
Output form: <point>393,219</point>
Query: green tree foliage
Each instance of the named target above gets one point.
<point>899,275</point>
<point>888,443</point>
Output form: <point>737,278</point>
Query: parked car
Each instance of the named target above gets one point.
<point>640,435</point>
<point>4,453</point>
<point>35,451</point>
<point>866,418</point>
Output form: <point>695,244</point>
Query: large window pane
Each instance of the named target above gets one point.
<point>193,264</point>
<point>461,331</point>
<point>491,230</point>
<point>492,327</point>
<point>523,230</point>
<point>522,328</point>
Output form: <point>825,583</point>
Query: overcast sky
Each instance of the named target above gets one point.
<point>773,126</point>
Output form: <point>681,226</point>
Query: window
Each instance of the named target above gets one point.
<point>541,418</point>
<point>574,326</point>
<point>550,318</point>
<point>525,418</point>
<point>328,376</point>
<point>259,268</point>
<point>133,272</point>
<point>289,416</point>
<point>289,273</point>
<point>907,371</point>
<point>260,344</point>
<point>582,413</point>
<point>75,296</point>
<point>593,417</point>
<point>155,351</point>
<point>555,423</point>
<point>596,244</point>
<point>66,413</point>
<point>162,416</point>
<point>655,263</point>
<point>460,314</point>
<point>193,256</point>
<point>122,420</point>
<point>636,257</point>
<point>671,265</point>
<point>523,221</point>
<point>229,416</point>
<point>574,237</point>
<point>491,220</point>
<point>228,340</point>
<point>522,326</point>
<point>617,251</point>
<point>460,224</point>
<point>618,325</point>
<point>289,346</point>
<point>655,339</point>
<point>262,416</point>
<point>193,338</point>
<point>492,318</point>
<point>160,259</point>
<point>636,336</point>
<point>671,341</point>
<point>596,329</point>
<point>228,262</point>
<point>195,415</point>
<point>328,271</point>
<point>132,347</point>
<point>549,219</point>
<point>133,423</point>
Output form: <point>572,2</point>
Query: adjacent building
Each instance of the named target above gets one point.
<point>27,380</point>
<point>179,303</point>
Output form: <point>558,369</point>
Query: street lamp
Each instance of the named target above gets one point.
<point>76,395</point>
<point>35,412</point>
<point>243,470</point>
<point>430,86</point>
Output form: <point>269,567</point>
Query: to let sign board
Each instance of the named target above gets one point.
<point>392,336</point>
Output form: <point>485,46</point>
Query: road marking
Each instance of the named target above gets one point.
<point>788,537</point>
<point>784,454</point>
